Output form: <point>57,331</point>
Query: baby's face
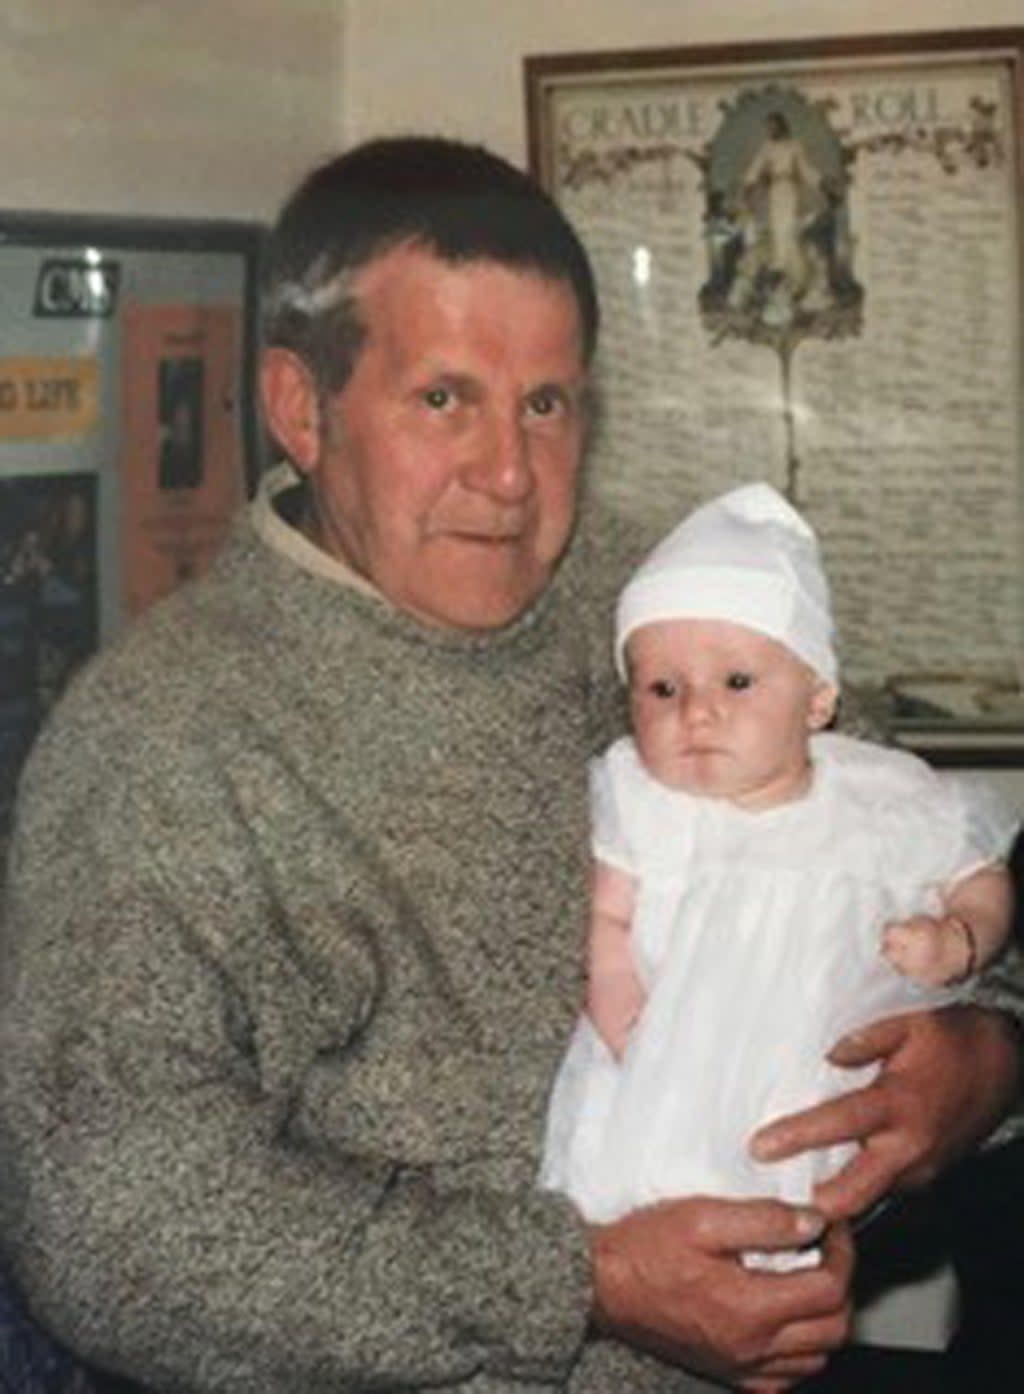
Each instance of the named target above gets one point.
<point>722,711</point>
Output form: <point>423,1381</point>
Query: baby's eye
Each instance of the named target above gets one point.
<point>739,682</point>
<point>663,687</point>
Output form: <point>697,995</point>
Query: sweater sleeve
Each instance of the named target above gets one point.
<point>993,833</point>
<point>160,1205</point>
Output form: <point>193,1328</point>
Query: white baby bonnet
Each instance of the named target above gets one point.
<point>747,557</point>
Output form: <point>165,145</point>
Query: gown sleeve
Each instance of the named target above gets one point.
<point>609,842</point>
<point>989,824</point>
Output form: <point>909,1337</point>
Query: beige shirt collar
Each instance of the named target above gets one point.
<point>289,542</point>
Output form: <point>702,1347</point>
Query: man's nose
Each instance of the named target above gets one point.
<point>500,461</point>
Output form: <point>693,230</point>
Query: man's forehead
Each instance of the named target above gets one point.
<point>416,263</point>
<point>415,302</point>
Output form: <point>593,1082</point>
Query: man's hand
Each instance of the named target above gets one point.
<point>669,1278</point>
<point>946,1079</point>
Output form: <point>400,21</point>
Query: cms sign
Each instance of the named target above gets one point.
<point>72,289</point>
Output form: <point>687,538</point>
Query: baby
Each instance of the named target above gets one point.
<point>759,887</point>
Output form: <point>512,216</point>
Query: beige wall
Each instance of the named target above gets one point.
<point>213,107</point>
<point>205,108</point>
<point>454,67</point>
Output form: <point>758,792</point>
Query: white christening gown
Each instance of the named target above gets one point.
<point>757,938</point>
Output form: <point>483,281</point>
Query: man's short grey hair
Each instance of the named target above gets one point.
<point>458,201</point>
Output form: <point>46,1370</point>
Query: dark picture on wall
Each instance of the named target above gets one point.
<point>48,605</point>
<point>180,405</point>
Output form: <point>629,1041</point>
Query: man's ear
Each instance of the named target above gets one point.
<point>822,706</point>
<point>291,407</point>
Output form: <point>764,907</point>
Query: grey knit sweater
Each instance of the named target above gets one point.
<point>293,945</point>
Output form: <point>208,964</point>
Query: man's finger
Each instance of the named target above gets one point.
<point>857,1187</point>
<point>776,1379</point>
<point>808,1308</point>
<point>731,1227</point>
<point>849,1118</point>
<point>805,1340</point>
<point>870,1043</point>
<point>802,1347</point>
<point>839,1254</point>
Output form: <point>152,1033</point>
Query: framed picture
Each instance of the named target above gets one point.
<point>810,264</point>
<point>127,434</point>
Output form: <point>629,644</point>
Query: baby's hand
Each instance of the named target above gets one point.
<point>935,951</point>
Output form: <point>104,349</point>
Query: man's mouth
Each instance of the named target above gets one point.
<point>484,539</point>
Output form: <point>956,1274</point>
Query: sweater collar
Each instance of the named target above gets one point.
<point>289,542</point>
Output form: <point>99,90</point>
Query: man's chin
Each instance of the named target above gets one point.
<point>474,607</point>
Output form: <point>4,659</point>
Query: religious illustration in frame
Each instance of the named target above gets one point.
<point>810,264</point>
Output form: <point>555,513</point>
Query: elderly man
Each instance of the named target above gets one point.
<point>297,892</point>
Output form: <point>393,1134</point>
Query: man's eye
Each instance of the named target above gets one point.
<point>663,687</point>
<point>438,398</point>
<point>739,682</point>
<point>543,403</point>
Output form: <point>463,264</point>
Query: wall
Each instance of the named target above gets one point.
<point>206,108</point>
<point>455,66</point>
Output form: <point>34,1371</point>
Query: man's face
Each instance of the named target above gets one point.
<point>723,711</point>
<point>448,466</point>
